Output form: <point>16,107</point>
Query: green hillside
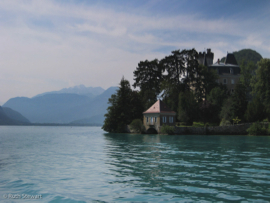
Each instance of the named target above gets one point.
<point>246,55</point>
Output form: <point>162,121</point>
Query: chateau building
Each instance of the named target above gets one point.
<point>229,71</point>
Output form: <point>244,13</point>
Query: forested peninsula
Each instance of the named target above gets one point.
<point>192,91</point>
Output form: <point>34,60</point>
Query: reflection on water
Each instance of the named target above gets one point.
<point>84,164</point>
<point>213,168</point>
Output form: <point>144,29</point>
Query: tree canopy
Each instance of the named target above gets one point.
<point>125,106</point>
<point>261,83</point>
<point>191,90</point>
<point>245,56</point>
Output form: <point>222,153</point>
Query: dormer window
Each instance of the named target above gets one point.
<point>231,71</point>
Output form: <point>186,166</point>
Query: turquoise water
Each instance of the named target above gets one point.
<point>85,164</point>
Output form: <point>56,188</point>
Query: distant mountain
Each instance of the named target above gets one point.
<point>246,55</point>
<point>15,115</point>
<point>4,119</point>
<point>11,117</point>
<point>62,107</point>
<point>91,92</point>
<point>94,111</point>
<point>98,119</point>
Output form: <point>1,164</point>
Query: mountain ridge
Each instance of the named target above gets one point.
<point>62,107</point>
<point>91,92</point>
<point>246,55</point>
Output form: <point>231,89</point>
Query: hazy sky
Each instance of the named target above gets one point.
<point>49,45</point>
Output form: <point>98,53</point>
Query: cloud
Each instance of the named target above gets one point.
<point>47,45</point>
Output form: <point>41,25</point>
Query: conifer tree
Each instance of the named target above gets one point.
<point>125,106</point>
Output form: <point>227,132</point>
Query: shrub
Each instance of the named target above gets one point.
<point>225,122</point>
<point>165,129</point>
<point>137,126</point>
<point>257,129</point>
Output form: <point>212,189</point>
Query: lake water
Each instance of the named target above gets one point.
<point>85,164</point>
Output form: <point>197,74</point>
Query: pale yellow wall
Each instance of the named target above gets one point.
<point>167,120</point>
<point>229,77</point>
<point>159,121</point>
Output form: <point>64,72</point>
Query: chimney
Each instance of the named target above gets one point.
<point>218,61</point>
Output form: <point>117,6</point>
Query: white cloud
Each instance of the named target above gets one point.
<point>47,46</point>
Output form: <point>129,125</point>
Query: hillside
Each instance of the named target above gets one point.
<point>62,107</point>
<point>246,55</point>
<point>11,117</point>
<point>91,92</point>
<point>15,115</point>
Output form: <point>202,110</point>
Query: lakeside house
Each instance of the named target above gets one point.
<point>229,71</point>
<point>156,116</point>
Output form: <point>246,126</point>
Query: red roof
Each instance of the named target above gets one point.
<point>159,107</point>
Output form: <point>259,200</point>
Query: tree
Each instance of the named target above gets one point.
<point>245,56</point>
<point>247,72</point>
<point>217,97</point>
<point>255,110</point>
<point>148,77</point>
<point>136,105</point>
<point>239,101</point>
<point>181,68</point>
<point>125,106</point>
<point>261,83</point>
<point>207,112</point>
<point>187,108</point>
<point>204,82</point>
<point>137,126</point>
<point>226,110</point>
<point>175,67</point>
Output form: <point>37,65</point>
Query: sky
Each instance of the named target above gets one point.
<point>53,44</point>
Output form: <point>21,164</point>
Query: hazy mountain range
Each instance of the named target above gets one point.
<point>80,90</point>
<point>11,117</point>
<point>77,105</point>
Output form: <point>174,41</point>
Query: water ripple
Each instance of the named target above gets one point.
<point>85,165</point>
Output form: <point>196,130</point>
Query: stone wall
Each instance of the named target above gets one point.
<point>240,129</point>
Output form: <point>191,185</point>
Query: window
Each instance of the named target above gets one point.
<point>231,71</point>
<point>164,119</point>
<point>152,119</point>
<point>155,119</point>
<point>146,119</point>
<point>171,119</point>
<point>232,81</point>
<point>225,81</point>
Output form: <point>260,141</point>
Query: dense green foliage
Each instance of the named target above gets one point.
<point>191,90</point>
<point>207,112</point>
<point>225,122</point>
<point>176,65</point>
<point>239,101</point>
<point>261,84</point>
<point>246,55</point>
<point>255,111</point>
<point>125,106</point>
<point>187,108</point>
<point>148,77</point>
<point>137,126</point>
<point>165,129</point>
<point>257,129</point>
